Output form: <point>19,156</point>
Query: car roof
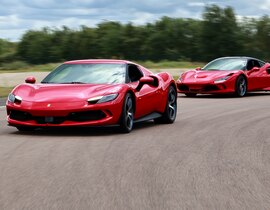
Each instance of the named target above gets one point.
<point>85,61</point>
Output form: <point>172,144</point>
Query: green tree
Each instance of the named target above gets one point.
<point>219,33</point>
<point>35,46</point>
<point>262,37</point>
<point>7,51</point>
<point>87,44</point>
<point>248,31</point>
<point>133,41</point>
<point>109,39</point>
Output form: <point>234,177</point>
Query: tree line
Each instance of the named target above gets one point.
<point>217,33</point>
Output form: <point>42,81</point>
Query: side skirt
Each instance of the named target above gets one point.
<point>151,116</point>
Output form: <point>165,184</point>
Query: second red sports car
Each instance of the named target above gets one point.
<point>226,75</point>
<point>93,93</point>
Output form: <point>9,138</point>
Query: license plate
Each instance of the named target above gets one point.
<point>48,119</point>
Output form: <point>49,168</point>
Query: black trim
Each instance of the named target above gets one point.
<point>151,116</point>
<point>73,116</point>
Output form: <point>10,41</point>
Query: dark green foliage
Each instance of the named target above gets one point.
<point>262,38</point>
<point>173,39</point>
<point>35,46</point>
<point>219,34</point>
<point>7,51</point>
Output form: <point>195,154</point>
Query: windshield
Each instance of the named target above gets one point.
<point>101,73</point>
<point>226,64</point>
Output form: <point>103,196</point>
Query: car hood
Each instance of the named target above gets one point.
<point>195,76</point>
<point>63,92</point>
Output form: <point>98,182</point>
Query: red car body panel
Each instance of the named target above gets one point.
<point>68,105</point>
<point>203,82</point>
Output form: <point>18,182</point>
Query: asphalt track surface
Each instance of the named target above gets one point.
<point>215,156</point>
<point>2,101</point>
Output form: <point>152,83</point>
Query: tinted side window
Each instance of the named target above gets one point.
<point>134,74</point>
<point>253,63</point>
<point>261,63</point>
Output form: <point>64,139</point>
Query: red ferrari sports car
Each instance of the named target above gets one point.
<point>226,75</point>
<point>93,93</point>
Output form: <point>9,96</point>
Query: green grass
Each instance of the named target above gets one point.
<point>4,91</point>
<point>171,64</point>
<point>19,66</point>
<point>175,77</point>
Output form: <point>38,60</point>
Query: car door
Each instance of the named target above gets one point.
<point>265,71</point>
<point>148,97</point>
<point>256,77</point>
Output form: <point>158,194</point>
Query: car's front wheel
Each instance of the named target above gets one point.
<point>170,112</point>
<point>127,116</point>
<point>240,86</point>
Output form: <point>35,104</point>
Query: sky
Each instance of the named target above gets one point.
<point>18,16</point>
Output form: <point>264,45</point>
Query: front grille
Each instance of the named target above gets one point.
<point>197,88</point>
<point>55,120</point>
<point>20,116</point>
<point>86,116</point>
<point>183,87</point>
<point>210,88</point>
<point>74,116</point>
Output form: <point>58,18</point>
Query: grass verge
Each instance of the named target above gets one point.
<point>28,68</point>
<point>4,91</point>
<point>171,64</point>
<point>19,66</point>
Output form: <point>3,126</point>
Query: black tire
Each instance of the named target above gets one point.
<point>170,112</point>
<point>240,86</point>
<point>25,128</point>
<point>127,116</point>
<point>190,94</point>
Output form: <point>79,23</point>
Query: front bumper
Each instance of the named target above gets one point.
<point>43,114</point>
<point>205,88</point>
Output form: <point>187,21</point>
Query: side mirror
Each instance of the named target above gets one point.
<point>198,69</point>
<point>255,69</point>
<point>145,80</point>
<point>30,80</point>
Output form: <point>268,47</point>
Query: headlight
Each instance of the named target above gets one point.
<point>102,99</point>
<point>11,98</point>
<point>223,79</point>
<point>14,99</point>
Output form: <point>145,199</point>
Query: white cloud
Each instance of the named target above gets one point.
<point>18,16</point>
<point>11,34</point>
<point>266,5</point>
<point>142,18</point>
<point>10,21</point>
<point>196,4</point>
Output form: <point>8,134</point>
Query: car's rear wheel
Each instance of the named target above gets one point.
<point>170,112</point>
<point>240,86</point>
<point>190,94</point>
<point>127,116</point>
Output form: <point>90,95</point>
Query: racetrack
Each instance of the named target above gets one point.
<point>215,156</point>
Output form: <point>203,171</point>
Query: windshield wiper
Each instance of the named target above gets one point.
<point>47,82</point>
